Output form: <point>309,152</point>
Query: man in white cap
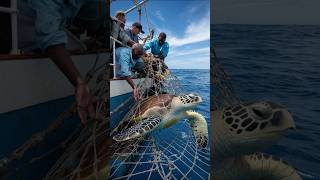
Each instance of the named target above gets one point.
<point>118,32</point>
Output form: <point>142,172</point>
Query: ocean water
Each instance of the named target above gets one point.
<point>282,64</point>
<point>196,81</point>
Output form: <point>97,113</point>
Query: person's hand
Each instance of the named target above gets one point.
<point>161,57</point>
<point>136,93</point>
<point>84,102</point>
<point>148,36</point>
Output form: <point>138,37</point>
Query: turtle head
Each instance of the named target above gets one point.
<point>250,127</point>
<point>187,101</point>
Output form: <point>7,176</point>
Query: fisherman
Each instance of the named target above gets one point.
<point>121,17</point>
<point>159,47</point>
<point>51,18</point>
<point>133,34</point>
<point>126,59</point>
<point>118,32</point>
<point>134,31</point>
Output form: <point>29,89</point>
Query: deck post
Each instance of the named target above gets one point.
<point>14,27</point>
<point>114,57</point>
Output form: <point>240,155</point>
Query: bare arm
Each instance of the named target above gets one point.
<point>130,81</point>
<point>134,87</point>
<point>130,43</point>
<point>62,59</point>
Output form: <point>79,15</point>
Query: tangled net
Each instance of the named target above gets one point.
<point>86,150</point>
<point>90,153</point>
<point>170,153</point>
<point>222,91</point>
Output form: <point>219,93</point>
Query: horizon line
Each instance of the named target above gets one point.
<point>188,69</point>
<point>264,24</point>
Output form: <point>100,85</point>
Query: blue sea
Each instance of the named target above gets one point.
<point>196,81</point>
<point>279,63</point>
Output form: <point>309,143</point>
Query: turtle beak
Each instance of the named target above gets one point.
<point>282,121</point>
<point>285,119</point>
<point>198,99</point>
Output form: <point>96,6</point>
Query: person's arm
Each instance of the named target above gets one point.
<point>62,59</point>
<point>147,45</point>
<point>134,88</point>
<point>165,50</point>
<point>125,38</point>
<point>130,43</point>
<point>52,39</point>
<point>144,40</point>
<point>150,36</point>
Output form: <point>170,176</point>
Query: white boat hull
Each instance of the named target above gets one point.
<point>29,82</point>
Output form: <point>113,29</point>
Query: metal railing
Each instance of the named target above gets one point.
<point>135,6</point>
<point>114,53</point>
<point>13,11</point>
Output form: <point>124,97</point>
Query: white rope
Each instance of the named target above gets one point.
<point>147,19</point>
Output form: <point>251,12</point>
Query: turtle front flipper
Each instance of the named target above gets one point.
<point>143,127</point>
<point>264,166</point>
<point>199,126</point>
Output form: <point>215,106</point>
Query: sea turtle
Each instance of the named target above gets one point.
<point>163,111</point>
<point>240,132</point>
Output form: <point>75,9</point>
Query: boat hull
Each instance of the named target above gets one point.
<point>27,82</point>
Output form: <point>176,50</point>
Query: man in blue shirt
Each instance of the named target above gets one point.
<point>126,60</point>
<point>159,47</point>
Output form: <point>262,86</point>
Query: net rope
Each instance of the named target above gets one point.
<point>222,91</point>
<point>85,150</point>
<point>170,153</point>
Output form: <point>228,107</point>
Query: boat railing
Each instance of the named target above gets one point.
<point>13,11</point>
<point>114,41</point>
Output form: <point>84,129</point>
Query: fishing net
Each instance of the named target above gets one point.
<point>170,153</point>
<point>222,91</point>
<point>85,152</point>
<point>88,150</point>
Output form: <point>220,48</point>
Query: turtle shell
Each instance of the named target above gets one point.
<point>162,100</point>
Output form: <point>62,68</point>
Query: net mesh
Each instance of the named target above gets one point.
<point>86,150</point>
<point>170,153</point>
<point>90,153</point>
<point>222,91</point>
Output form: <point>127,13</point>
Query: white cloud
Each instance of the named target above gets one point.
<point>196,52</point>
<point>189,63</point>
<point>129,24</point>
<point>197,31</point>
<point>196,7</point>
<point>189,58</point>
<point>159,15</point>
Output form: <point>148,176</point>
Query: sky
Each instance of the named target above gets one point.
<point>300,12</point>
<point>186,23</point>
